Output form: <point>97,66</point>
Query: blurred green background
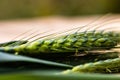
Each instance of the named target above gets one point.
<point>11,9</point>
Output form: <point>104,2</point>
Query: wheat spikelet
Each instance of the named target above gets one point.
<point>69,43</point>
<point>105,66</point>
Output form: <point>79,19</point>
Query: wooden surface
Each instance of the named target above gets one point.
<point>9,29</point>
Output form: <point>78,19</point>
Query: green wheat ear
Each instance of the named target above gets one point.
<point>82,59</point>
<point>105,66</point>
<point>82,41</point>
